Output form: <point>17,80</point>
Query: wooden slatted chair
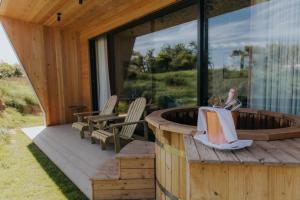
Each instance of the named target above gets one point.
<point>83,118</point>
<point>124,130</point>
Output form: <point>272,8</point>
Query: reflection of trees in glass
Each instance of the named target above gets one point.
<point>166,77</point>
<point>243,54</point>
<point>169,58</point>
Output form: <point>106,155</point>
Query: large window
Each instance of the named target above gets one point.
<point>157,60</point>
<point>254,46</point>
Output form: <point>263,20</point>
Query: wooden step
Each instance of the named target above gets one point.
<point>137,149</point>
<point>108,171</point>
<point>130,175</point>
<point>137,160</point>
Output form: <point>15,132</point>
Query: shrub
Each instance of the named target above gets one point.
<point>7,70</point>
<point>4,136</point>
<point>30,100</point>
<point>175,81</point>
<point>17,72</point>
<point>166,101</point>
<point>19,105</point>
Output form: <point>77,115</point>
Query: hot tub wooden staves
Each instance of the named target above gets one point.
<point>186,169</point>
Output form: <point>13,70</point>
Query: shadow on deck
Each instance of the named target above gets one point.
<point>77,158</point>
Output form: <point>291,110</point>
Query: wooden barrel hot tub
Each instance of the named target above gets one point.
<point>170,126</point>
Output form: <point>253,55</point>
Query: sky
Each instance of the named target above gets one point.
<point>7,53</point>
<point>183,33</point>
<point>265,23</point>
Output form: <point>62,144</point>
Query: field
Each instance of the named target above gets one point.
<point>165,89</point>
<point>178,88</point>
<point>22,109</point>
<point>25,172</point>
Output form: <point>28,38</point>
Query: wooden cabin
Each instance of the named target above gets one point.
<point>175,53</point>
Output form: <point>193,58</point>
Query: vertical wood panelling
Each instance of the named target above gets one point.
<point>28,42</point>
<point>243,182</point>
<point>51,59</point>
<point>171,165</point>
<point>85,73</point>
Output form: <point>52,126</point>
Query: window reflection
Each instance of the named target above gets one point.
<point>157,60</point>
<point>254,46</point>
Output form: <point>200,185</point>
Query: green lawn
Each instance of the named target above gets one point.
<point>26,173</point>
<point>10,118</point>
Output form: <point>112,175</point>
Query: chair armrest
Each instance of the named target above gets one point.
<point>86,113</point>
<point>90,117</point>
<point>106,118</point>
<point>125,124</point>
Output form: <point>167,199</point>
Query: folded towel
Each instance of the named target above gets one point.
<point>238,144</point>
<point>225,119</point>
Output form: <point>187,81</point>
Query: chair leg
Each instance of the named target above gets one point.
<point>146,136</point>
<point>117,143</point>
<point>82,134</point>
<point>93,141</point>
<point>103,144</point>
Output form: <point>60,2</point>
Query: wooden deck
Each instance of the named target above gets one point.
<point>77,158</point>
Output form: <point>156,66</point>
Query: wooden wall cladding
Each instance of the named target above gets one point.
<point>28,41</point>
<point>51,59</point>
<point>55,55</point>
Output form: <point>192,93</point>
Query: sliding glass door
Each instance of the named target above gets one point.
<point>157,60</point>
<point>254,45</point>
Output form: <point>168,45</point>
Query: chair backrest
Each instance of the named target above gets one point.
<point>109,105</point>
<point>135,112</point>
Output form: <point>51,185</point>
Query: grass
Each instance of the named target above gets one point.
<point>16,92</point>
<point>179,85</point>
<point>10,118</point>
<point>26,173</point>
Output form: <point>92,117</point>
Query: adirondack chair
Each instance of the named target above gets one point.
<point>82,123</point>
<point>124,130</point>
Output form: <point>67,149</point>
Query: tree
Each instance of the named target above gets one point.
<point>242,55</point>
<point>149,60</point>
<point>137,62</point>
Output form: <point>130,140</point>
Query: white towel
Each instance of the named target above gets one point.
<point>225,119</point>
<point>238,144</point>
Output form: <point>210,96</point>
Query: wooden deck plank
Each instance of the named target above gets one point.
<point>245,156</point>
<point>129,184</point>
<point>280,155</point>
<point>280,152</point>
<point>287,148</point>
<point>77,158</point>
<point>138,149</point>
<point>293,142</point>
<point>206,154</point>
<point>190,149</point>
<point>108,171</point>
<point>226,156</point>
<point>261,155</point>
